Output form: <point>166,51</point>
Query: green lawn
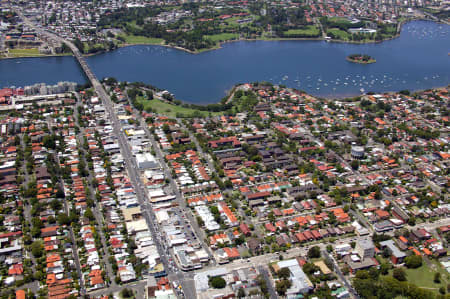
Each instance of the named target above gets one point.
<point>134,39</point>
<point>222,37</point>
<point>309,30</point>
<point>338,33</point>
<point>24,52</point>
<point>339,20</point>
<point>424,275</point>
<point>172,110</point>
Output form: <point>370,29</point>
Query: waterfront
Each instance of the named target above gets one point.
<point>418,59</point>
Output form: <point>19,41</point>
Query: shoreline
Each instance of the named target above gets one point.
<point>337,97</point>
<point>342,98</point>
<point>220,44</point>
<point>326,97</point>
<point>282,39</point>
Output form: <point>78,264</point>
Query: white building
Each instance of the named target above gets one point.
<point>146,161</point>
<point>300,282</point>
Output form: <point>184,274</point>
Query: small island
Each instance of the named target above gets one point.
<point>361,58</point>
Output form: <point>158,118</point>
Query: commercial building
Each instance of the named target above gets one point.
<point>146,161</point>
<point>365,248</point>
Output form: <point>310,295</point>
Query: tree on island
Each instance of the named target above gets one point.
<point>361,58</point>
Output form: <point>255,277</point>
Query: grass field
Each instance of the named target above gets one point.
<point>222,37</point>
<point>338,33</point>
<point>33,52</point>
<point>339,20</point>
<point>307,31</point>
<point>172,110</point>
<point>24,52</point>
<point>133,39</point>
<point>424,275</point>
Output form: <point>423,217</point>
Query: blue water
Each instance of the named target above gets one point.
<point>418,59</point>
<point>27,71</point>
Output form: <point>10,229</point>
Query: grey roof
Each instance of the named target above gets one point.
<point>366,244</point>
<point>393,248</point>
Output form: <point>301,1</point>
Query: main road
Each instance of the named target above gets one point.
<point>169,266</point>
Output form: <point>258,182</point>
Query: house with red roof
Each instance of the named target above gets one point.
<point>269,226</point>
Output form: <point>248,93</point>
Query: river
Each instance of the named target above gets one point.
<point>418,59</point>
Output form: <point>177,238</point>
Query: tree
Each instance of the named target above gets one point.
<point>310,268</point>
<point>366,288</point>
<point>386,253</point>
<point>345,270</point>
<point>284,273</point>
<point>126,293</point>
<point>405,92</point>
<point>384,268</point>
<point>38,275</point>
<point>217,282</point>
<point>413,261</point>
<point>200,221</point>
<point>241,293</point>
<point>412,221</point>
<point>89,214</point>
<point>399,274</point>
<point>262,284</point>
<point>79,45</point>
<point>49,141</point>
<point>374,273</point>
<point>314,252</point>
<point>437,277</point>
<point>362,274</point>
<point>37,249</point>
<point>354,164</point>
<point>56,205</point>
<point>63,219</point>
<point>282,286</point>
<point>166,129</point>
